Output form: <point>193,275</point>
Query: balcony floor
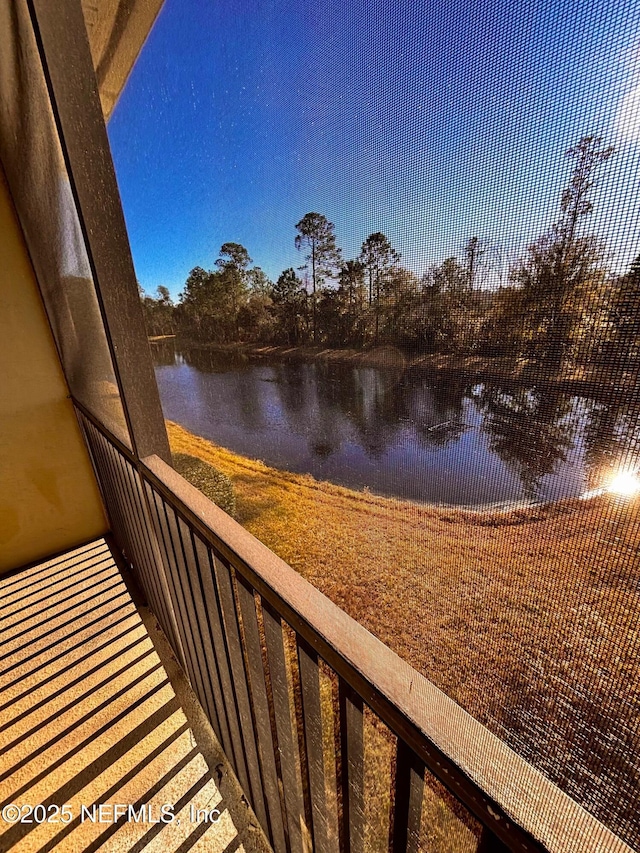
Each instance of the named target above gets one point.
<point>94,709</point>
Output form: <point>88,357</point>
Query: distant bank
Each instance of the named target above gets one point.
<point>593,380</point>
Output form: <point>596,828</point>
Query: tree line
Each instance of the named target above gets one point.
<point>560,302</point>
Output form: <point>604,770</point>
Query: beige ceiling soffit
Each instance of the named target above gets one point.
<point>117,30</point>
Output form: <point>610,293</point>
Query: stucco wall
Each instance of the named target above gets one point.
<point>48,496</point>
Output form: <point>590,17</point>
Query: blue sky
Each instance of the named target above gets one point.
<point>429,121</point>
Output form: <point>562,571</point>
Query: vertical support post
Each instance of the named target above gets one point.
<point>352,772</point>
<point>407,801</point>
<point>490,843</point>
<point>66,59</point>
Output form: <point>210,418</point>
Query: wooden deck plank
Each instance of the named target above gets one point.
<point>98,712</point>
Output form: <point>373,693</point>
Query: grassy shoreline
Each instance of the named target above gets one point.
<point>595,380</point>
<point>528,619</point>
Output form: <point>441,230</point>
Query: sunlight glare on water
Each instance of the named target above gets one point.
<point>625,484</point>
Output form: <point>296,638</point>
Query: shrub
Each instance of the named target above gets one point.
<point>211,482</point>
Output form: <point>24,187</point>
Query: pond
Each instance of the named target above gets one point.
<point>398,432</point>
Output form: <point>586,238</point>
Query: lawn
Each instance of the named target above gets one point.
<point>528,619</point>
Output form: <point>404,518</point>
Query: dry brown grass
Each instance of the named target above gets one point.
<point>528,619</point>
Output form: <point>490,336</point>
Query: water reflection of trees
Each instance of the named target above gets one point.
<point>324,389</point>
<point>369,399</point>
<point>163,353</point>
<point>436,410</point>
<point>213,361</point>
<point>331,404</point>
<point>319,398</point>
<point>381,403</point>
<point>293,383</point>
<point>529,430</point>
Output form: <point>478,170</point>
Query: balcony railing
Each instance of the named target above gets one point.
<point>328,731</point>
<point>337,742</point>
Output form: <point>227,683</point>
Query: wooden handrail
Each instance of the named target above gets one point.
<point>512,800</point>
<point>509,796</point>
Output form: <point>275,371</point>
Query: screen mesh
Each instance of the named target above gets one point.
<point>390,264</point>
<point>39,183</point>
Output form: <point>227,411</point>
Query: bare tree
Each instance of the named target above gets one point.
<point>474,252</point>
<point>562,268</point>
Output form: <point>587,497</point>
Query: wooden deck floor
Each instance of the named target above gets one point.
<point>94,710</point>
